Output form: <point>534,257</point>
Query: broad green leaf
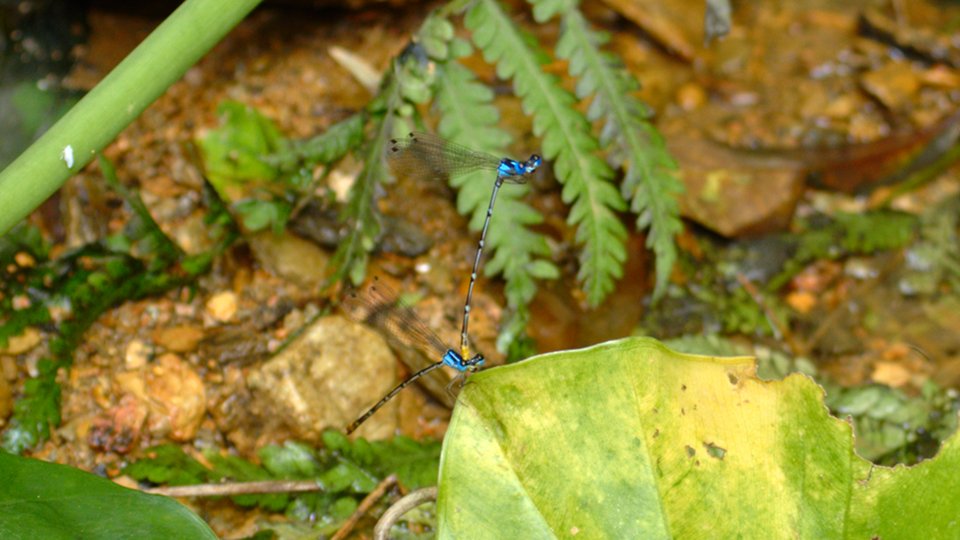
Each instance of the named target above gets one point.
<point>631,440</point>
<point>234,152</point>
<point>47,500</point>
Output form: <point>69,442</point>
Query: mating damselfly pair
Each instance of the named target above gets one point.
<point>429,155</point>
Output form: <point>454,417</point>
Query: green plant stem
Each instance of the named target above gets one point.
<point>158,62</point>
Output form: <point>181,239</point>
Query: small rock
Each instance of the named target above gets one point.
<point>691,96</point>
<point>731,193</point>
<point>136,355</point>
<point>892,374</point>
<point>291,257</point>
<point>326,378</point>
<point>801,301</point>
<point>222,306</point>
<point>176,398</point>
<point>118,430</point>
<point>29,339</point>
<point>24,260</point>
<point>940,76</point>
<point>894,85</point>
<point>179,339</point>
<point>8,367</point>
<point>173,394</point>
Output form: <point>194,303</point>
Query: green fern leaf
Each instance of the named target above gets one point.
<point>566,140</point>
<point>350,259</point>
<point>469,117</point>
<point>649,180</point>
<point>328,147</point>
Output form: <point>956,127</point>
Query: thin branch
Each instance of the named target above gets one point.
<point>237,488</point>
<point>364,507</point>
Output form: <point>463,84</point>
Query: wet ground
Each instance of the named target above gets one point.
<point>802,110</point>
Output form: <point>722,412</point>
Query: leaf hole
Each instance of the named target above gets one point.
<point>714,450</point>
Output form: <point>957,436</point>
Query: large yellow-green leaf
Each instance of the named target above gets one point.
<point>631,440</point>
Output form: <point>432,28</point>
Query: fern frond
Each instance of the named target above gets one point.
<point>566,139</point>
<point>328,147</point>
<point>649,180</point>
<point>469,117</point>
<point>350,259</point>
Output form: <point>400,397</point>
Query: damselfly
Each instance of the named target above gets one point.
<point>425,152</point>
<point>380,308</point>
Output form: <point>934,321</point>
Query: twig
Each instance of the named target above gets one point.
<point>780,330</point>
<point>364,507</point>
<point>401,507</point>
<point>237,488</point>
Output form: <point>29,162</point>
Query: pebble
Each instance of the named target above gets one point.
<point>173,393</point>
<point>326,378</point>
<point>894,84</point>
<point>691,96</point>
<point>22,343</point>
<point>179,339</point>
<point>136,355</point>
<point>176,398</point>
<point>222,306</point>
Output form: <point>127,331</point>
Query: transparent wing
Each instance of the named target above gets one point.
<point>425,152</point>
<point>380,307</point>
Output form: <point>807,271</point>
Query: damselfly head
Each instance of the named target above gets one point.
<point>532,164</point>
<point>475,362</point>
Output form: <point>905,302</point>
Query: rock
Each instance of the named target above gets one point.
<point>22,343</point>
<point>179,339</point>
<point>892,374</point>
<point>894,85</point>
<point>222,306</point>
<point>177,399</point>
<point>291,258</point>
<point>117,430</point>
<point>733,193</point>
<point>136,354</point>
<point>691,96</point>
<point>173,393</point>
<point>326,378</point>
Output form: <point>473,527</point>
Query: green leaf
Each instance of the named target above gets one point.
<point>292,460</point>
<point>327,148</point>
<point>168,464</point>
<point>629,439</point>
<point>234,152</point>
<point>47,500</point>
<point>649,180</point>
<point>415,463</point>
<point>566,140</point>
<point>350,259</point>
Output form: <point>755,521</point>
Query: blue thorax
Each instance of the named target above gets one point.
<point>511,167</point>
<point>454,360</point>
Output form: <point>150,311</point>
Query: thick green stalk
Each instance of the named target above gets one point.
<point>91,124</point>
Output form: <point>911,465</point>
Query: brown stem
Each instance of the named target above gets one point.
<point>401,507</point>
<point>364,507</point>
<point>237,488</point>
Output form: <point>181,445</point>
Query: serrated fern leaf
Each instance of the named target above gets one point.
<point>566,140</point>
<point>328,147</point>
<point>649,181</point>
<point>469,117</point>
<point>350,259</point>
